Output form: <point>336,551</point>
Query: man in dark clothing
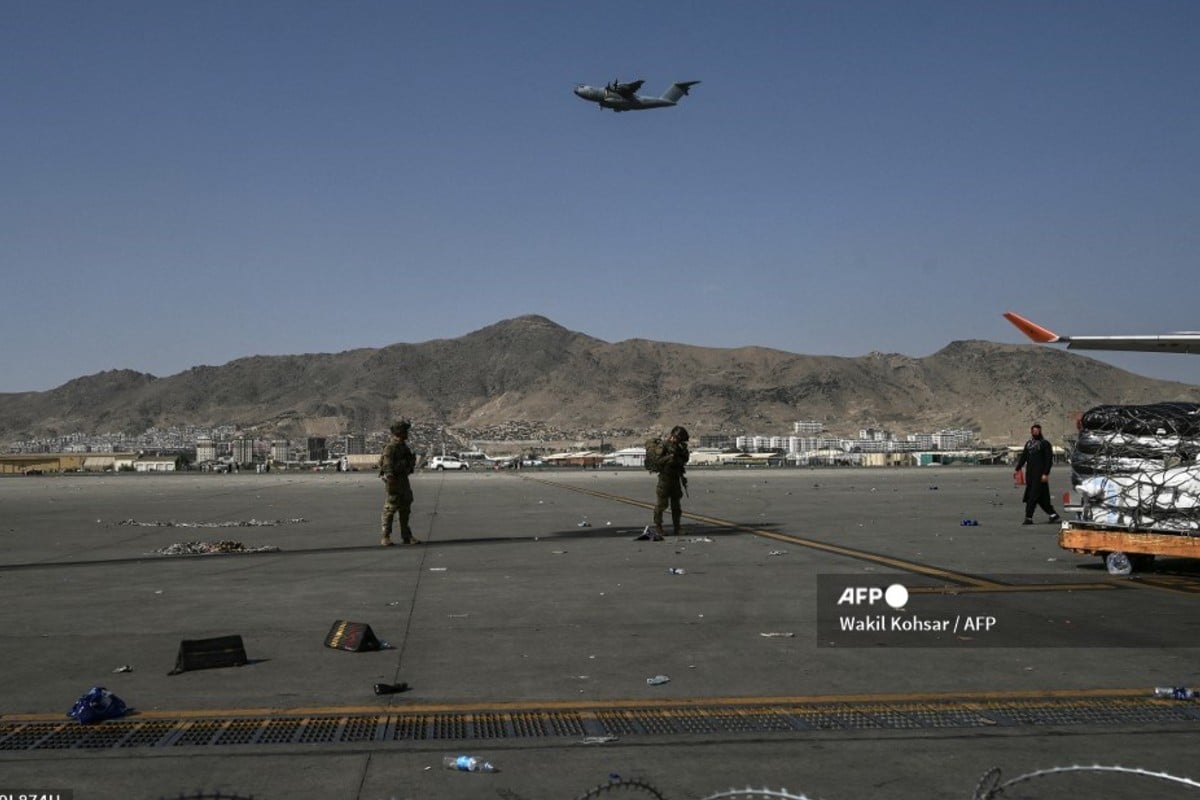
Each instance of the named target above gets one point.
<point>671,480</point>
<point>395,465</point>
<point>1037,457</point>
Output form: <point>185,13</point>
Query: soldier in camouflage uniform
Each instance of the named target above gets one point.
<point>671,480</point>
<point>395,465</point>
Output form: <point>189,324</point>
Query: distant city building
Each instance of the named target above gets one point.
<point>870,440</point>
<point>281,450</point>
<point>317,451</point>
<point>760,444</point>
<point>809,427</point>
<point>952,439</point>
<point>242,451</point>
<point>628,457</point>
<point>356,444</point>
<point>206,450</point>
<point>158,464</point>
<point>715,440</point>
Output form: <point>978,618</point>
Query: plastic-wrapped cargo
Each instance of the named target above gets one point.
<point>1139,466</point>
<point>1085,466</point>
<point>1167,499</point>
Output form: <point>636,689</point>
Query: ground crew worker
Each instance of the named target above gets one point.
<point>671,480</point>
<point>1037,458</point>
<point>395,465</point>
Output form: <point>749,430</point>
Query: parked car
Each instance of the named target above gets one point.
<point>446,462</point>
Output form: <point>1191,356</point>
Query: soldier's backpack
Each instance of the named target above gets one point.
<point>655,454</point>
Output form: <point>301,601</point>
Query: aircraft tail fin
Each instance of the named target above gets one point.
<point>678,90</point>
<point>1034,331</point>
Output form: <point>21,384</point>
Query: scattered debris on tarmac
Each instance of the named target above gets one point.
<point>208,548</point>
<point>250,523</point>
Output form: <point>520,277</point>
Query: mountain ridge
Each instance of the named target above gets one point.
<point>530,369</point>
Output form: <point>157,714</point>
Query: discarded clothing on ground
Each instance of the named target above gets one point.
<point>97,705</point>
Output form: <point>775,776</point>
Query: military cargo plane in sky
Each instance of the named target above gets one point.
<point>624,97</point>
<point>1182,342</point>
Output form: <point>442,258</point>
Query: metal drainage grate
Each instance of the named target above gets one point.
<point>625,722</point>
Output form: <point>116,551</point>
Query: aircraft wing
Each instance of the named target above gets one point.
<point>627,90</point>
<point>1183,342</point>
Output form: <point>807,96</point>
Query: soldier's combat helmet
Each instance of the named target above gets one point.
<point>680,433</point>
<point>400,428</point>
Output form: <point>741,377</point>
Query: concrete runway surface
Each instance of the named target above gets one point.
<point>528,623</point>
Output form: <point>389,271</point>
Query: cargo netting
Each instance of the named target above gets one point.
<point>1139,466</point>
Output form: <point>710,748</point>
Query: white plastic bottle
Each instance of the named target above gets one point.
<point>467,764</point>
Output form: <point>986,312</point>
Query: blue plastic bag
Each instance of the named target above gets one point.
<point>97,705</point>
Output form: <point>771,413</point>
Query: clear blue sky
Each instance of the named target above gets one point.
<point>187,183</point>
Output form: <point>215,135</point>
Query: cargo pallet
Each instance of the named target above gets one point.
<point>1140,546</point>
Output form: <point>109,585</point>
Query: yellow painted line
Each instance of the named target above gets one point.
<point>965,583</point>
<point>951,699</point>
<point>889,561</point>
<point>815,544</point>
<point>1166,583</point>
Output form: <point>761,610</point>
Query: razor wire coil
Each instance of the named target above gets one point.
<point>990,787</point>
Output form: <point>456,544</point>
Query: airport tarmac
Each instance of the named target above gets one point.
<point>527,624</point>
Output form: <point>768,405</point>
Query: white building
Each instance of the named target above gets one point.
<point>953,439</point>
<point>281,450</point>
<point>243,451</point>
<point>206,450</point>
<point>758,444</point>
<point>156,464</point>
<point>628,457</point>
<point>805,444</point>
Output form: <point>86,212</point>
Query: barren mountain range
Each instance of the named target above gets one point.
<point>531,373</point>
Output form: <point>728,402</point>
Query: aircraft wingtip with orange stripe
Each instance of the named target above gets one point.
<point>1031,329</point>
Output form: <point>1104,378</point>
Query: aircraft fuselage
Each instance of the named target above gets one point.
<point>619,102</point>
